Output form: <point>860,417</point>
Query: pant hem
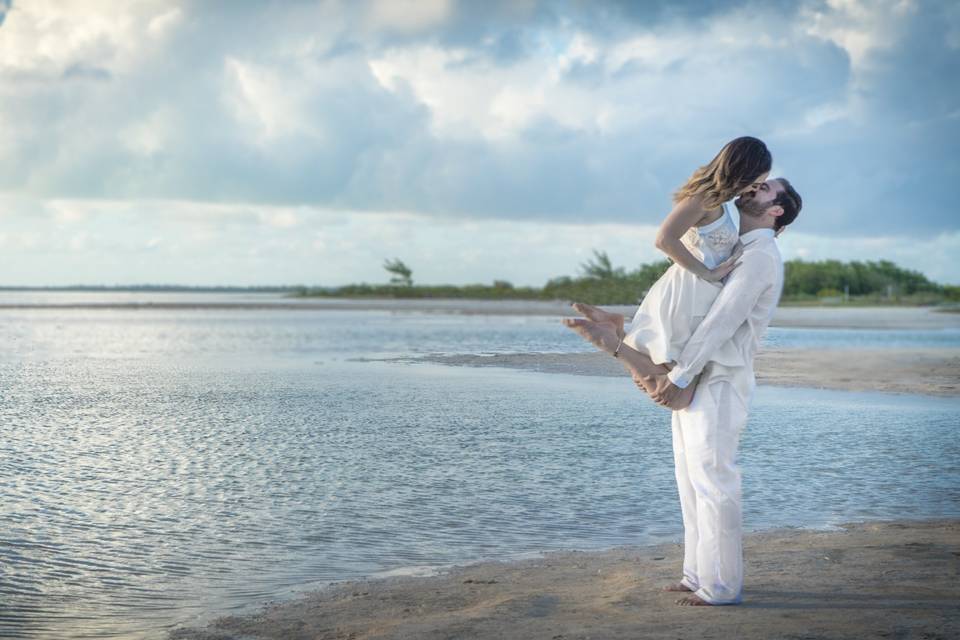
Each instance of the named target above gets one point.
<point>689,585</point>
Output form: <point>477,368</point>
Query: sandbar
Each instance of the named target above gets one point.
<point>923,371</point>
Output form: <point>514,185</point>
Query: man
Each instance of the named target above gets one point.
<point>707,432</point>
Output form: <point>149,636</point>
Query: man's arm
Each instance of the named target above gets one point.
<point>737,298</point>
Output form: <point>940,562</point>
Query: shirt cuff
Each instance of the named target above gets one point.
<point>676,378</point>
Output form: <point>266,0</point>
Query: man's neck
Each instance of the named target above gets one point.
<point>748,224</point>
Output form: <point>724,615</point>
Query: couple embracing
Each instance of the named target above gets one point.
<point>692,341</point>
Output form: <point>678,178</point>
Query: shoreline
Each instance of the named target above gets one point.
<point>863,579</point>
<point>893,317</point>
<point>922,371</point>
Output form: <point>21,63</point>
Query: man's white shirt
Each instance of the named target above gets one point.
<point>729,335</point>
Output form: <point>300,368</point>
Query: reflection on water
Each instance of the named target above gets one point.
<point>170,333</point>
<point>163,467</point>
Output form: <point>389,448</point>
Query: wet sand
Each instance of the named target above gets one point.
<point>922,371</point>
<point>869,580</point>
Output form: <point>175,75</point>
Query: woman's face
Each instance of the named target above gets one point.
<point>752,188</point>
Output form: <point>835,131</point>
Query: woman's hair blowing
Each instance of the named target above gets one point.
<point>737,166</point>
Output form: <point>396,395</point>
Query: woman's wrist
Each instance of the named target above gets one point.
<point>700,270</point>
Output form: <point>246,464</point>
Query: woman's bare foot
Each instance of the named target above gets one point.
<point>677,586</point>
<point>647,384</point>
<point>599,315</point>
<point>602,335</point>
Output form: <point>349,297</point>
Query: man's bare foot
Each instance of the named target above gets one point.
<point>602,335</point>
<point>599,315</point>
<point>693,601</point>
<point>677,586</point>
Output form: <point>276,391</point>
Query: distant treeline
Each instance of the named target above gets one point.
<point>599,282</point>
<point>158,287</point>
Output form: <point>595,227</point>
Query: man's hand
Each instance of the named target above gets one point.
<point>723,269</point>
<point>666,392</point>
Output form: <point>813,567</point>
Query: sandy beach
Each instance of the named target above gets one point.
<point>867,580</point>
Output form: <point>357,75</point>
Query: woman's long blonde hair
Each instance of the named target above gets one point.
<point>739,163</point>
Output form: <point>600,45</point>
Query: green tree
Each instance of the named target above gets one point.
<point>402,275</point>
<point>859,278</point>
<point>600,267</point>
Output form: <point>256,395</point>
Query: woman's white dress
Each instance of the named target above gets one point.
<point>679,300</point>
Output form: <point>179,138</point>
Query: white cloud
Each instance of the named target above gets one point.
<point>79,242</point>
<point>268,101</point>
<point>640,82</point>
<point>281,219</point>
<point>51,37</point>
<point>408,15</point>
<point>159,26</point>
<point>859,27</point>
<point>149,135</point>
<point>244,244</point>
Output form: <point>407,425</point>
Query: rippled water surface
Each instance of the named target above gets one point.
<point>161,467</point>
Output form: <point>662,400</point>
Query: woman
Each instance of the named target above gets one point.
<point>701,238</point>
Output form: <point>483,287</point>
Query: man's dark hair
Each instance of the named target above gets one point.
<point>789,200</point>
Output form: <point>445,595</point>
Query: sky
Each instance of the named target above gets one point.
<point>277,143</point>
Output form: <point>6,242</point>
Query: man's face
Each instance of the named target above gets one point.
<point>756,202</point>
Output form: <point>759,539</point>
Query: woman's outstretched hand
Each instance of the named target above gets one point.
<point>723,269</point>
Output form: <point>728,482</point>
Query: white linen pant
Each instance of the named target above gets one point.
<point>705,439</point>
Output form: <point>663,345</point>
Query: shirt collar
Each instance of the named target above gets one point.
<point>756,234</point>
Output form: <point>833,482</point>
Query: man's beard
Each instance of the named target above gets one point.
<point>750,206</point>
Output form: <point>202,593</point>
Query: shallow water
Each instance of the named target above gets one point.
<point>162,467</point>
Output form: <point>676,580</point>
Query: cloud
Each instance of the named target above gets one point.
<point>118,241</point>
<point>408,15</point>
<point>540,112</point>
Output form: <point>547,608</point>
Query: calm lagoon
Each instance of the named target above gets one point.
<point>162,467</point>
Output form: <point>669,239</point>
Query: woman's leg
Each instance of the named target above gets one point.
<point>605,335</point>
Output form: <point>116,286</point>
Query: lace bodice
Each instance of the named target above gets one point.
<point>713,243</point>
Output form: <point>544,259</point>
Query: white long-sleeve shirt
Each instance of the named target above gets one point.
<point>729,335</point>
